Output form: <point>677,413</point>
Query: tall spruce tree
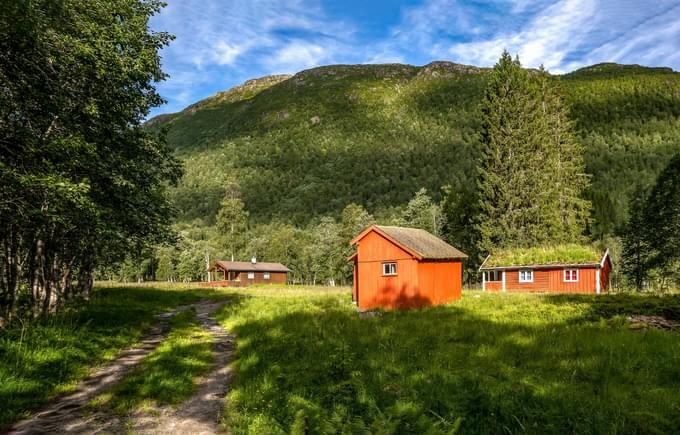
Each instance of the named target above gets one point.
<point>662,213</point>
<point>530,171</point>
<point>459,210</point>
<point>564,158</point>
<point>637,251</point>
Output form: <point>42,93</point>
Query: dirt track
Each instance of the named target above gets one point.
<point>198,415</point>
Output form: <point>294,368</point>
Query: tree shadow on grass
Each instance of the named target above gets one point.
<point>324,369</point>
<point>610,305</point>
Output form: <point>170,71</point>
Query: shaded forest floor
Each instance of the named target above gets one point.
<point>306,362</point>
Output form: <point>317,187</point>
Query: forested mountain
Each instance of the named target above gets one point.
<point>303,146</point>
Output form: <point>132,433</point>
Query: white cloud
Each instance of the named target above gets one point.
<point>223,42</point>
<point>220,43</point>
<point>296,56</point>
<point>547,39</point>
<point>560,34</point>
<point>653,41</point>
<point>226,54</point>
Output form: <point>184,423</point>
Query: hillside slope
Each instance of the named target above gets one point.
<point>307,145</point>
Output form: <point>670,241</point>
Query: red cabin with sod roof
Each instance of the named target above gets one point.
<point>574,269</point>
<point>397,267</point>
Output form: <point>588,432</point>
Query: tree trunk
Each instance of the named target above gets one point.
<point>13,269</point>
<point>86,280</point>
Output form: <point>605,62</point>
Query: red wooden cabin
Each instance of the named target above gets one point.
<point>398,267</point>
<point>244,273</point>
<point>559,276</point>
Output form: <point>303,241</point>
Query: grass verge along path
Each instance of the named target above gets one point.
<point>45,358</point>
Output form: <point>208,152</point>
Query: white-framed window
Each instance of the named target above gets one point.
<point>526,275</point>
<point>265,275</point>
<point>570,275</point>
<point>492,275</point>
<point>251,275</point>
<point>389,269</point>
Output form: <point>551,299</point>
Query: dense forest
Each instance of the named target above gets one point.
<point>308,145</point>
<point>299,149</point>
<point>83,183</point>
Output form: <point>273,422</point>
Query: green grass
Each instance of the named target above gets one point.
<point>45,357</point>
<point>559,254</point>
<point>167,375</point>
<point>489,363</point>
<point>307,363</point>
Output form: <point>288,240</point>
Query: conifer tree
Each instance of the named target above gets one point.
<point>459,211</point>
<point>564,166</point>
<point>662,214</point>
<point>637,251</point>
<point>530,170</point>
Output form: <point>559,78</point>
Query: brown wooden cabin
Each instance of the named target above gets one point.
<point>397,268</point>
<point>244,273</point>
<point>554,277</point>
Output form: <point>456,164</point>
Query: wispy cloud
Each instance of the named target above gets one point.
<point>561,34</point>
<point>221,43</point>
<point>297,55</point>
<point>547,39</point>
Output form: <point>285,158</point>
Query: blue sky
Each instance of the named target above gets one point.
<point>222,43</point>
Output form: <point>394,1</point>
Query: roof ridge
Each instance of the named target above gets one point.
<point>417,241</point>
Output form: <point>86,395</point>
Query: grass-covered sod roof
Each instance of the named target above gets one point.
<point>544,255</point>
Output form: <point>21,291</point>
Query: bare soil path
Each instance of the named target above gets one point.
<point>198,415</point>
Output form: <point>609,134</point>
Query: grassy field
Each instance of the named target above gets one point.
<point>490,363</point>
<point>308,363</point>
<point>42,358</point>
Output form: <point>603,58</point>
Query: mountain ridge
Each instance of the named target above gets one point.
<point>433,69</point>
<point>303,146</point>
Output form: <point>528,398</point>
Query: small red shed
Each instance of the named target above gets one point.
<point>397,267</point>
<point>572,269</point>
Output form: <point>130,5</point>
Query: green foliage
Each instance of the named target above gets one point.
<point>530,172</point>
<point>302,148</point>
<point>490,363</point>
<point>460,214</point>
<point>84,184</point>
<point>556,254</point>
<point>564,164</point>
<point>662,216</point>
<point>637,252</point>
<point>386,131</point>
<point>652,235</point>
<point>43,357</point>
<point>232,224</point>
<point>422,212</point>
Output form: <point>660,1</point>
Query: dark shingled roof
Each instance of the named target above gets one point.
<point>247,266</point>
<point>423,243</point>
